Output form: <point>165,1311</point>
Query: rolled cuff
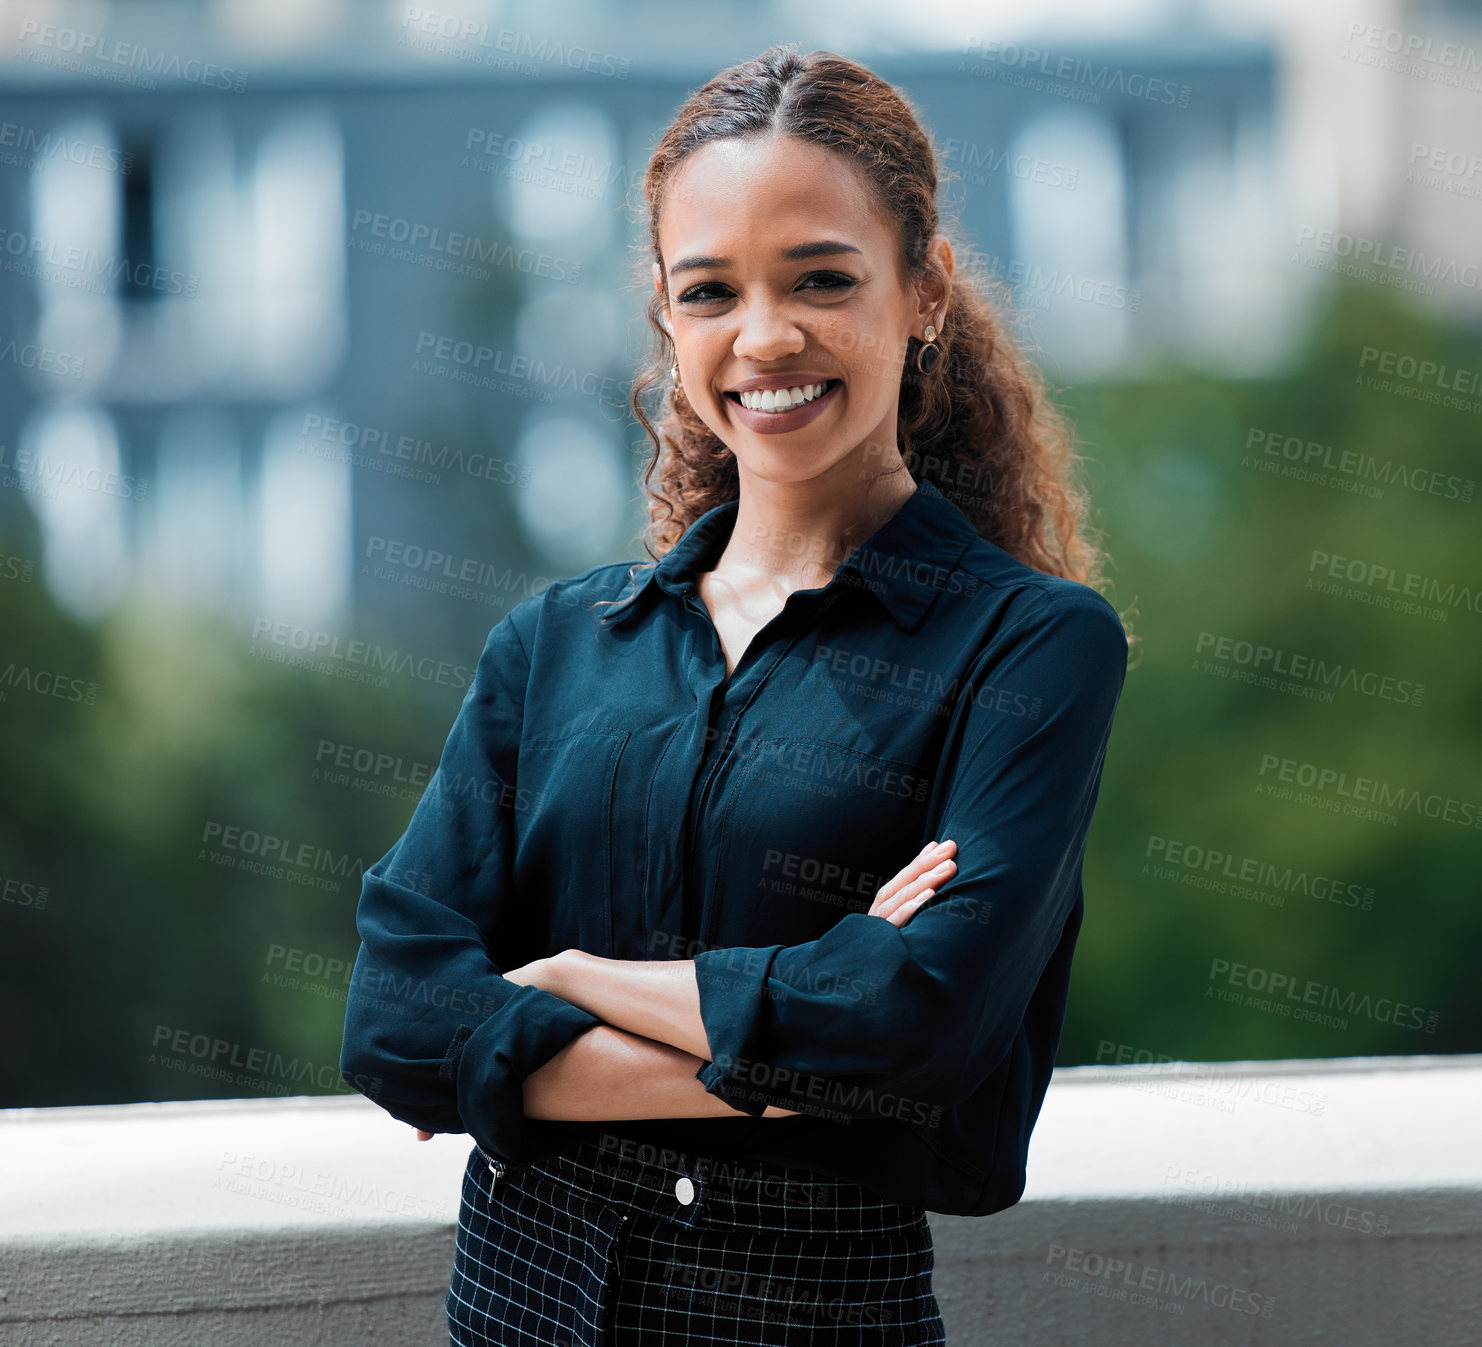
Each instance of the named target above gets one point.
<point>733,987</point>
<point>511,1045</point>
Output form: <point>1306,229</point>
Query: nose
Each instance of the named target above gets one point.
<point>766,332</point>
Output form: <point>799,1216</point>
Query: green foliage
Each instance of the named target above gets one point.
<point>1203,541</point>
<point>109,799</point>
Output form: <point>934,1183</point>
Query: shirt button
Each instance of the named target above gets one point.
<point>684,1190</point>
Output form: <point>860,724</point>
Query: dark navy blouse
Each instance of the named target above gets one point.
<point>606,787</point>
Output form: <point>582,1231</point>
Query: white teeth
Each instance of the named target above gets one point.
<point>780,399</point>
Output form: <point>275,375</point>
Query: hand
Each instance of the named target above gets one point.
<point>900,899</point>
<point>536,973</point>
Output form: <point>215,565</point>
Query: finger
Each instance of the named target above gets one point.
<point>903,888</point>
<point>423,1136</point>
<point>922,859</point>
<point>906,910</point>
<point>925,886</point>
<point>928,858</point>
<point>939,874</point>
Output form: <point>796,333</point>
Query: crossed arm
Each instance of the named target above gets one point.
<point>641,1062</point>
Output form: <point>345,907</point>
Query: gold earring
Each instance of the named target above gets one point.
<point>928,355</point>
<point>674,374</point>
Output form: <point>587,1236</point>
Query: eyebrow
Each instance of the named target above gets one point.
<point>822,248</point>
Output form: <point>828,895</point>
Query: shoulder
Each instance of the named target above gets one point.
<point>1029,603</point>
<point>596,585</point>
<point>578,596</point>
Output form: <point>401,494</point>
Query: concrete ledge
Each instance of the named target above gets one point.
<point>1240,1202</point>
<point>1280,1202</point>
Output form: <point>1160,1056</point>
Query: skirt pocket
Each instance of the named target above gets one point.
<point>533,1262</point>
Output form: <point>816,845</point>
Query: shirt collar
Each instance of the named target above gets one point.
<point>906,562</point>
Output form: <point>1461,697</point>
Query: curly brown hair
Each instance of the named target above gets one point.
<point>981,416</point>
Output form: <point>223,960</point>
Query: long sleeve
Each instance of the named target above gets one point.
<point>447,1040</point>
<point>1016,793</point>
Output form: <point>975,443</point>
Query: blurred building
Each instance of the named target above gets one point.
<point>327,316</point>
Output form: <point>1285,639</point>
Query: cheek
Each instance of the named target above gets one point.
<point>705,354</point>
<point>866,351</point>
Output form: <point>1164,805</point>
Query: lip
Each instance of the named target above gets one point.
<point>795,418</point>
<point>782,379</point>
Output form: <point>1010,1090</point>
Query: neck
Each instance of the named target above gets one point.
<point>800,532</point>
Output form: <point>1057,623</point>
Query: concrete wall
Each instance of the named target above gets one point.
<point>1267,1202</point>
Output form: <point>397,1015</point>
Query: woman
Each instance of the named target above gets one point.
<point>778,845</point>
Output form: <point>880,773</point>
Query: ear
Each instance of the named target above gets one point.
<point>935,288</point>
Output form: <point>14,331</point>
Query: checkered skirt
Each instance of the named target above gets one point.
<point>597,1248</point>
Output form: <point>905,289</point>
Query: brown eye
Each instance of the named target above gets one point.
<point>831,280</point>
<point>696,294</point>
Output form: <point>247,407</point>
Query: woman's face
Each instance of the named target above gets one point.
<point>783,274</point>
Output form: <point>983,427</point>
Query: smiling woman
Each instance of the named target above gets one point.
<point>749,885</point>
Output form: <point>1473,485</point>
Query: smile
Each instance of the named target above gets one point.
<point>786,409</point>
<point>778,400</point>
